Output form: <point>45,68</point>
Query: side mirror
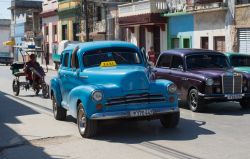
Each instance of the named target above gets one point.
<point>180,67</point>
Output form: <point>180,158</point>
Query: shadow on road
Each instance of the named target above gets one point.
<point>134,132</point>
<point>227,108</point>
<point>12,144</point>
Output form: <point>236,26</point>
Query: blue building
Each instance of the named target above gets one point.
<point>180,30</point>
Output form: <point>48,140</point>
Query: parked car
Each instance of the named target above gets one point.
<point>202,77</point>
<point>110,80</point>
<point>5,58</point>
<point>239,62</point>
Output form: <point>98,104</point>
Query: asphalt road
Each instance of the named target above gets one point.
<point>29,131</point>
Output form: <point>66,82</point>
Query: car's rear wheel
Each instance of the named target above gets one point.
<point>195,103</point>
<point>16,87</point>
<point>170,120</point>
<point>245,103</point>
<point>87,128</point>
<point>59,112</point>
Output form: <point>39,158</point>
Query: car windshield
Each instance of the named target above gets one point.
<point>119,55</point>
<point>206,61</point>
<point>238,61</point>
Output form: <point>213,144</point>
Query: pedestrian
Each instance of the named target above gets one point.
<point>152,55</point>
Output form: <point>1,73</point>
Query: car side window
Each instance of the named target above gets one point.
<point>177,62</point>
<point>165,61</point>
<point>65,60</point>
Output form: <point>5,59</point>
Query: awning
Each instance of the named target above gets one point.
<point>9,43</point>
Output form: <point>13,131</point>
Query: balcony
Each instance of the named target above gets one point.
<point>142,7</point>
<point>196,5</point>
<point>67,5</point>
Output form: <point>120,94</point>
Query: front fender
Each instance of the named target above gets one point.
<point>55,89</point>
<point>82,94</point>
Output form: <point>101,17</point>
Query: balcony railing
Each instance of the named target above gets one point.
<point>142,7</point>
<point>195,5</point>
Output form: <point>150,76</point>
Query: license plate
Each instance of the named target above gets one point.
<point>139,113</point>
<point>234,96</point>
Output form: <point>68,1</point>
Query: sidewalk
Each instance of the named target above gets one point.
<point>52,68</point>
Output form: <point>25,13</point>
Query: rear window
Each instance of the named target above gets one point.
<point>119,55</point>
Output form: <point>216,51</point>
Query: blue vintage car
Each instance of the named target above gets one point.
<point>110,80</point>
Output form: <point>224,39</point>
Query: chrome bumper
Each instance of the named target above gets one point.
<point>126,114</point>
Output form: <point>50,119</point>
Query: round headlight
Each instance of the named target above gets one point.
<point>172,88</point>
<point>97,96</point>
<point>209,82</point>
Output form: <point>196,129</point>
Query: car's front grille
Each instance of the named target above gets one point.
<point>135,99</point>
<point>232,84</point>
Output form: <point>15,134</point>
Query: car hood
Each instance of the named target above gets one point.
<point>212,73</point>
<point>242,69</point>
<point>128,78</point>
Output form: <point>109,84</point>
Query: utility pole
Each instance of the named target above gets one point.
<point>86,19</point>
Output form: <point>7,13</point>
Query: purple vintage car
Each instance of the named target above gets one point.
<point>202,77</point>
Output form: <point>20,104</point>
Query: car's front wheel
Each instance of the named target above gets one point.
<point>59,112</point>
<point>87,128</point>
<point>195,103</point>
<point>245,103</point>
<point>170,120</point>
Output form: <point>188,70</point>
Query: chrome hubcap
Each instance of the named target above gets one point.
<point>81,120</point>
<point>193,100</point>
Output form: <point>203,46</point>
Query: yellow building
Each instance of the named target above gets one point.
<point>69,12</point>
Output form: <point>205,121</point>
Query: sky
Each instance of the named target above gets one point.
<point>4,12</point>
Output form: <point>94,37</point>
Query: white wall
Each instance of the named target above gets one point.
<point>5,36</point>
<point>135,36</point>
<point>207,33</point>
<point>50,21</point>
<point>208,25</point>
<point>149,40</point>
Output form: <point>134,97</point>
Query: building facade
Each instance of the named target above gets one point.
<point>143,25</point>
<point>5,35</point>
<point>50,29</point>
<point>242,26</point>
<point>26,23</point>
<point>70,16</point>
<point>198,24</point>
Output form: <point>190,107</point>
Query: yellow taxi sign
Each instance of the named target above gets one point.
<point>108,64</point>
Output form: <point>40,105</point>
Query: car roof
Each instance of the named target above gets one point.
<point>88,46</point>
<point>185,52</point>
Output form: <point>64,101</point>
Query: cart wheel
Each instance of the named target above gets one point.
<point>16,87</point>
<point>45,91</point>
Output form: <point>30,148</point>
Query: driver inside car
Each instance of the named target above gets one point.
<point>33,64</point>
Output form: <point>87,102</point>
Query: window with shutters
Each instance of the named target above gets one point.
<point>244,40</point>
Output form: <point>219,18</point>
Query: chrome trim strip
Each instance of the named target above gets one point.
<point>126,114</point>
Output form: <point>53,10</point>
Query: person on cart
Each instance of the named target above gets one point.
<point>33,66</point>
